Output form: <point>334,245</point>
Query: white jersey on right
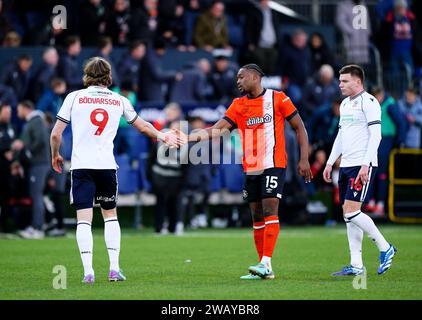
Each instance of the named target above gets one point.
<point>94,114</point>
<point>356,115</point>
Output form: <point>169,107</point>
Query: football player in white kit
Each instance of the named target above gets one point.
<point>357,143</point>
<point>94,114</point>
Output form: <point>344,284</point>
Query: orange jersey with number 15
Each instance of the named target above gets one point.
<point>260,122</point>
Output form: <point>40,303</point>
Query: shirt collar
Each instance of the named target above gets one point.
<point>356,95</point>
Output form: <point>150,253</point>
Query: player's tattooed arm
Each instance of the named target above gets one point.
<point>221,127</point>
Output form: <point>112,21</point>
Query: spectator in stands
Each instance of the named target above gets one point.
<point>55,191</point>
<point>401,31</point>
<point>123,142</point>
<point>154,80</point>
<point>319,90</point>
<point>7,135</point>
<point>167,178</point>
<point>223,77</point>
<point>171,25</point>
<point>92,21</point>
<point>69,68</point>
<point>150,15</point>
<point>211,30</point>
<point>104,49</point>
<point>382,8</point>
<point>124,24</point>
<point>45,73</point>
<point>34,143</point>
<point>320,52</point>
<point>53,97</point>
<point>323,125</point>
<point>172,113</point>
<point>262,25</point>
<point>296,191</point>
<point>194,86</point>
<point>393,134</point>
<point>129,67</point>
<point>17,75</point>
<point>5,24</point>
<point>322,131</point>
<point>296,64</point>
<point>355,40</point>
<point>8,96</point>
<point>317,161</point>
<point>50,36</point>
<point>197,5</point>
<point>12,39</point>
<point>197,178</point>
<point>118,22</point>
<point>411,106</point>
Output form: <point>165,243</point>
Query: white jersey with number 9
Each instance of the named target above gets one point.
<point>94,114</point>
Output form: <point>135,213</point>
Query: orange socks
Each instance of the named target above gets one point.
<point>265,235</point>
<point>258,236</point>
<point>271,231</point>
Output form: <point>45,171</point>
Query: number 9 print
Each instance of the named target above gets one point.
<point>99,118</point>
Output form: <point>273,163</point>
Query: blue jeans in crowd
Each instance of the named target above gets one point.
<point>37,180</point>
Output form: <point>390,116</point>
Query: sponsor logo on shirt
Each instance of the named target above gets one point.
<point>258,120</point>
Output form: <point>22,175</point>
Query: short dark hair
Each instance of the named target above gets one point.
<point>254,67</point>
<point>195,118</point>
<point>24,56</point>
<point>159,43</point>
<point>377,90</point>
<point>27,104</point>
<point>135,44</point>
<point>70,40</point>
<point>412,90</point>
<point>104,42</point>
<point>354,70</point>
<point>56,81</point>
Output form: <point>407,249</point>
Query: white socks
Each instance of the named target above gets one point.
<point>367,224</point>
<point>267,262</point>
<point>85,244</point>
<point>112,237</point>
<point>355,236</point>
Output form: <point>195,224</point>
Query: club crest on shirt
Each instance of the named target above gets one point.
<point>258,120</point>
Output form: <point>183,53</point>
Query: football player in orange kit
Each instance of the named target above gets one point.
<point>259,116</point>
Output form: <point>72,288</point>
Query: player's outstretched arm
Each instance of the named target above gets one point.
<point>55,142</point>
<point>216,130</point>
<point>171,138</point>
<point>304,167</point>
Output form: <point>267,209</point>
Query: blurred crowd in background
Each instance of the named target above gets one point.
<point>141,39</point>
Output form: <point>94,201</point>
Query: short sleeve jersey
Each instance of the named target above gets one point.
<point>94,114</point>
<point>260,122</point>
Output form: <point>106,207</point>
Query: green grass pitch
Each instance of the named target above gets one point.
<point>207,264</point>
